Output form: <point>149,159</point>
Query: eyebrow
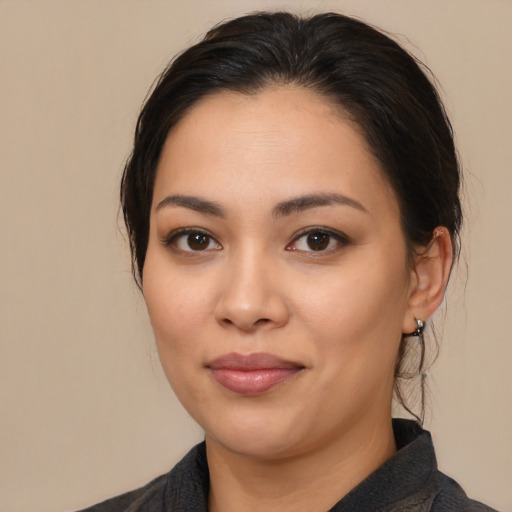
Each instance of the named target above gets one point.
<point>288,207</point>
<point>193,203</point>
<point>310,201</point>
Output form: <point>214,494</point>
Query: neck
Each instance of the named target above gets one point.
<point>307,481</point>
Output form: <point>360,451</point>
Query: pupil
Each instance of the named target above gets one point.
<point>318,241</point>
<point>197,241</point>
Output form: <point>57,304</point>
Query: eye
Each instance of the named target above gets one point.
<point>192,241</point>
<point>317,240</point>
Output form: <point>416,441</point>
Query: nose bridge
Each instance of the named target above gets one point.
<point>251,297</point>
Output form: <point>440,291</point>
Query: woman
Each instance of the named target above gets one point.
<point>293,212</point>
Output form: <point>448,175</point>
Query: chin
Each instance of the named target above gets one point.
<point>263,445</point>
<point>265,436</point>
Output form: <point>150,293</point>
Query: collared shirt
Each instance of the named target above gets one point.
<point>407,482</point>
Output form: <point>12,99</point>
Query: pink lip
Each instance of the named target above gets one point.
<point>252,374</point>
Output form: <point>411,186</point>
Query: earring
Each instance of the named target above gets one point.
<point>420,326</point>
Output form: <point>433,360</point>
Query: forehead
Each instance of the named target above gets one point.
<point>282,141</point>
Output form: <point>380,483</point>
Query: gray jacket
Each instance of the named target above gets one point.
<point>408,482</point>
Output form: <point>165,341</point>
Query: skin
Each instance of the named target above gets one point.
<point>254,285</point>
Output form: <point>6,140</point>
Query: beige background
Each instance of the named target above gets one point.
<point>85,412</point>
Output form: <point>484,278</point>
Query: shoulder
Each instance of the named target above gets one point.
<point>183,489</point>
<point>419,484</point>
<point>451,497</point>
<point>149,498</point>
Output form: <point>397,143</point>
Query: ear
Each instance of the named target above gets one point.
<point>429,278</point>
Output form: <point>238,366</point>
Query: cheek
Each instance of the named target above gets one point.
<point>176,305</point>
<point>177,310</point>
<point>350,297</point>
<point>357,311</point>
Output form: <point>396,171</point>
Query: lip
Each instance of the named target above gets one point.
<point>252,374</point>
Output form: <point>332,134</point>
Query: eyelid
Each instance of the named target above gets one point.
<point>340,237</point>
<point>176,233</point>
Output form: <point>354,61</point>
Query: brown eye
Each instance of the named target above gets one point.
<point>198,241</point>
<point>318,241</point>
<point>192,241</point>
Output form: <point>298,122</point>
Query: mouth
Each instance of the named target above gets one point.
<point>252,374</point>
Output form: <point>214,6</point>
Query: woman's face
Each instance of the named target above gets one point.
<point>276,275</point>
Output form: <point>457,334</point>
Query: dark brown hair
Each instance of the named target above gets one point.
<point>381,86</point>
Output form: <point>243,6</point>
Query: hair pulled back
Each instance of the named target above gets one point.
<point>376,82</point>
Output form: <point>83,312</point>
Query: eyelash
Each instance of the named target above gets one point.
<point>338,237</point>
<point>174,236</point>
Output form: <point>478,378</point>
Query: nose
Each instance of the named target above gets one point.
<point>252,296</point>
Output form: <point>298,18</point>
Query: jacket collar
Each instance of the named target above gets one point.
<point>406,480</point>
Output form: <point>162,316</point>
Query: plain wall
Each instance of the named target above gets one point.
<point>85,410</point>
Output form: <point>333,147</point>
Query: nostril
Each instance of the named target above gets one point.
<point>249,326</point>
